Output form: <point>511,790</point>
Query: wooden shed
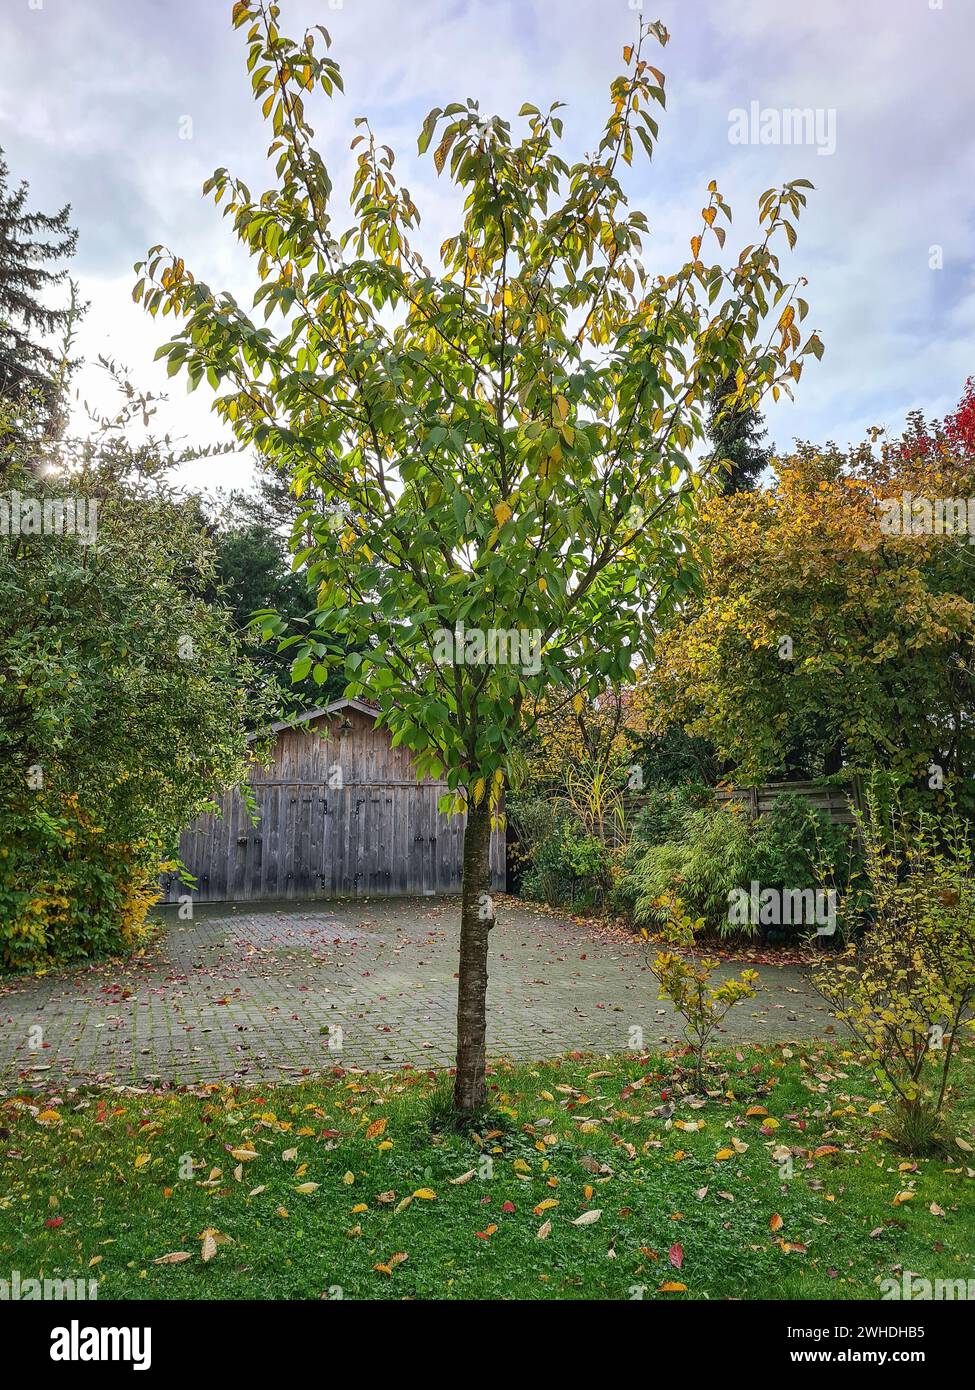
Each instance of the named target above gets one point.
<point>342,814</point>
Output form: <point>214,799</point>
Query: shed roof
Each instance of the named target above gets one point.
<point>306,716</point>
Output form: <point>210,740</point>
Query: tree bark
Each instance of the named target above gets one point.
<point>476,921</point>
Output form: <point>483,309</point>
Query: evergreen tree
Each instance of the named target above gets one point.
<point>30,244</point>
<point>736,434</point>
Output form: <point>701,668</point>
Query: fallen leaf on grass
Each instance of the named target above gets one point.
<point>676,1254</point>
<point>672,1286</point>
<point>776,1222</point>
<point>391,1263</point>
<point>587,1218</point>
<point>176,1257</point>
<point>544,1231</point>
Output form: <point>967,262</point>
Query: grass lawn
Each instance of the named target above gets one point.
<point>352,1183</point>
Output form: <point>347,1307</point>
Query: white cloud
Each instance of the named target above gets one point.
<point>94,94</point>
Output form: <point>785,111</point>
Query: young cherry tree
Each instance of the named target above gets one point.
<point>505,435</point>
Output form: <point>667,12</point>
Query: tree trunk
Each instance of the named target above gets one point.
<point>476,921</point>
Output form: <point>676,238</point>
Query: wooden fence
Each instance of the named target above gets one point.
<point>837,802</point>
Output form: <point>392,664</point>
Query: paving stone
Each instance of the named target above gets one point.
<point>252,993</point>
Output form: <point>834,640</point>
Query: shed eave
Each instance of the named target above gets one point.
<point>306,716</point>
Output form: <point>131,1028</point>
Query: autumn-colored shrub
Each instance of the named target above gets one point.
<point>685,979</point>
<point>906,988</point>
<point>67,892</point>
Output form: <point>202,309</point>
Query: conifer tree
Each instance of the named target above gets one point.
<point>31,245</point>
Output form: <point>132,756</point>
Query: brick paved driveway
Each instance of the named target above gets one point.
<point>254,993</point>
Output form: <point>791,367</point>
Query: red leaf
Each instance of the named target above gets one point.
<point>508,1206</point>
<point>54,1222</point>
<point>677,1255</point>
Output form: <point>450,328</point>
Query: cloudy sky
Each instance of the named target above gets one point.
<point>124,107</point>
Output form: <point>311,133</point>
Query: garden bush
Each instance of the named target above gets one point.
<point>125,700</point>
<point>67,892</point>
<point>709,851</point>
<point>569,868</point>
<point>906,986</point>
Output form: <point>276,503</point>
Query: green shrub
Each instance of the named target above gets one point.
<point>662,814</point>
<point>712,854</point>
<point>712,850</point>
<point>569,868</point>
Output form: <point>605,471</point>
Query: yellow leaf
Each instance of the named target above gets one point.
<point>425,1194</point>
<point>502,512</point>
<point>722,1154</point>
<point>305,1187</point>
<point>49,1117</point>
<point>377,1128</point>
<point>672,1286</point>
<point>142,1159</point>
<point>244,1155</point>
<point>546,1205</point>
<point>348,1179</point>
<point>903,1197</point>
